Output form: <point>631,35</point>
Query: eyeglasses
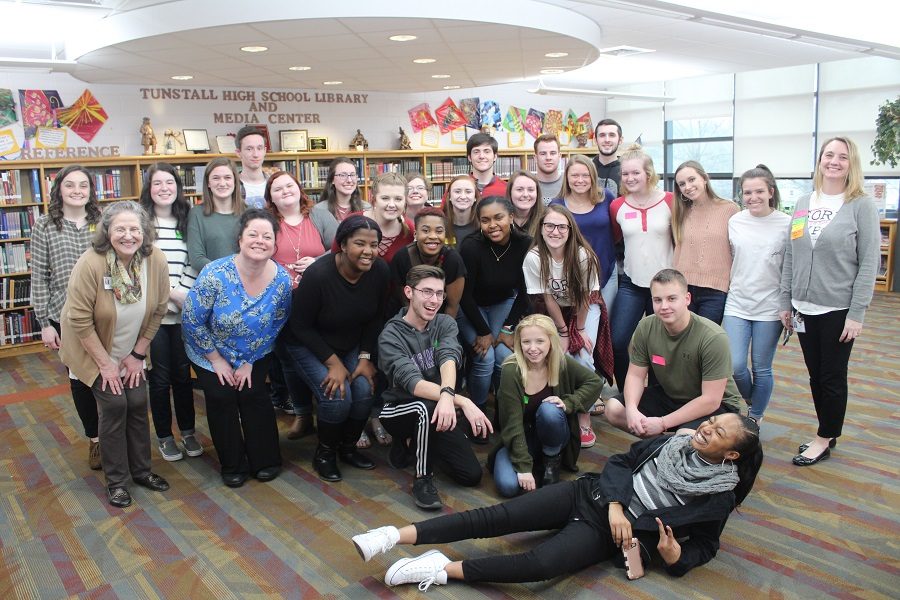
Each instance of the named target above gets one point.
<point>133,231</point>
<point>416,188</point>
<point>428,293</point>
<point>346,176</point>
<point>549,227</point>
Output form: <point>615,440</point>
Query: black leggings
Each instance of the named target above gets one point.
<point>579,543</point>
<point>83,398</point>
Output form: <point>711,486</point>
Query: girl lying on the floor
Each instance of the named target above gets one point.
<point>674,493</point>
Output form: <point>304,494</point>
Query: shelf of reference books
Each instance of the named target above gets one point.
<point>25,187</point>
<point>884,278</point>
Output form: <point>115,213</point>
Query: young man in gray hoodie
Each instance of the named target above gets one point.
<point>419,353</point>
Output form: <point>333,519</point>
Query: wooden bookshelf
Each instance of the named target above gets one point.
<point>884,277</point>
<point>25,191</point>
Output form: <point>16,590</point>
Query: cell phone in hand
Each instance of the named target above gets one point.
<point>634,566</point>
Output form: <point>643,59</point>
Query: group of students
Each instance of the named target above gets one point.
<point>376,312</point>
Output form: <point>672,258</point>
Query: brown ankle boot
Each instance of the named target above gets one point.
<point>301,427</point>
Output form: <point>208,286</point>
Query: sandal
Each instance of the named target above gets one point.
<point>363,442</point>
<point>378,430</point>
<point>598,408</point>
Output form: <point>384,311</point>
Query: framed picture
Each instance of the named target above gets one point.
<point>293,140</point>
<point>226,144</point>
<point>196,140</point>
<point>318,144</point>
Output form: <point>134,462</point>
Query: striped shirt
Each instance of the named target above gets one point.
<point>174,246</point>
<point>53,256</point>
<point>648,495</point>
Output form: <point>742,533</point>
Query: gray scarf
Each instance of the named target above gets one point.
<point>677,474</point>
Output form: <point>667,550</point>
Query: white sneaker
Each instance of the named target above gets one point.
<point>424,570</point>
<point>376,541</point>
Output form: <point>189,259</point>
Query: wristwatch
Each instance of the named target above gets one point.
<point>365,356</point>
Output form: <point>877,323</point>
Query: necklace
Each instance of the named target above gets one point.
<point>287,228</point>
<point>508,246</point>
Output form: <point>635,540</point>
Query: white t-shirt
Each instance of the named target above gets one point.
<point>255,194</point>
<point>647,234</point>
<point>757,245</point>
<point>822,209</point>
<point>556,285</point>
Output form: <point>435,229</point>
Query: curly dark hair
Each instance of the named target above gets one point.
<point>55,209</point>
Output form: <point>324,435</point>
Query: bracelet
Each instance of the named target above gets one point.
<point>448,390</point>
<point>506,330</point>
<point>138,356</point>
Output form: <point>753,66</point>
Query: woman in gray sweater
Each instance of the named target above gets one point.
<point>827,283</point>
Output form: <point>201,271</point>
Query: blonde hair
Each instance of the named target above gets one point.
<point>597,197</point>
<point>636,151</point>
<point>555,358</point>
<point>853,188</point>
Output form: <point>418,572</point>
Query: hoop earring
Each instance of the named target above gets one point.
<point>732,464</point>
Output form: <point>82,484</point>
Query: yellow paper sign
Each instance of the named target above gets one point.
<point>50,137</point>
<point>8,143</point>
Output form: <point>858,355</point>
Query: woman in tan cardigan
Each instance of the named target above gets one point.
<point>116,298</point>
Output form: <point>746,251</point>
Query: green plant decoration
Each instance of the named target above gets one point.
<point>886,147</point>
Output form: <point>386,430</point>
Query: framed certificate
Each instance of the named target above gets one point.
<point>318,144</point>
<point>294,140</point>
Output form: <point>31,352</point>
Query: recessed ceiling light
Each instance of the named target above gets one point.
<point>254,48</point>
<point>556,54</point>
<point>299,68</point>
<point>182,77</point>
<point>440,77</point>
<point>451,87</point>
<point>402,38</point>
<point>551,71</point>
<point>332,82</point>
<point>424,61</point>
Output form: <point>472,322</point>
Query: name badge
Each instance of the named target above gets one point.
<point>178,235</point>
<point>656,359</point>
<point>631,215</point>
<point>107,283</point>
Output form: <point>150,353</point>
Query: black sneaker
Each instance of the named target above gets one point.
<point>284,405</point>
<point>399,456</point>
<point>425,494</point>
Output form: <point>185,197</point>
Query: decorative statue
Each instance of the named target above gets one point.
<point>359,141</point>
<point>487,129</point>
<point>148,138</point>
<point>404,141</point>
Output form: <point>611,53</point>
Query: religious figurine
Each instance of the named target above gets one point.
<point>148,138</point>
<point>404,141</point>
<point>359,141</point>
<point>486,129</point>
<point>169,146</point>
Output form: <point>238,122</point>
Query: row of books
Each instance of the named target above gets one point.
<point>15,292</point>
<point>447,167</point>
<point>20,187</point>
<point>402,166</point>
<point>107,182</point>
<point>15,258</point>
<point>18,223</point>
<point>19,328</point>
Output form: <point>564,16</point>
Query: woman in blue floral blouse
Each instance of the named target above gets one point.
<point>231,318</point>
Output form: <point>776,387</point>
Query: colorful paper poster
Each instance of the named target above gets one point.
<point>38,109</point>
<point>449,116</point>
<point>571,123</point>
<point>515,119</point>
<point>553,121</point>
<point>8,143</point>
<point>85,117</point>
<point>7,107</point>
<point>50,137</point>
<point>420,117</point>
<point>534,122</point>
<point>490,114</point>
<point>585,127</point>
<point>469,108</point>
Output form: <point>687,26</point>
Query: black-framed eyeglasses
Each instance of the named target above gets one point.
<point>428,293</point>
<point>549,227</point>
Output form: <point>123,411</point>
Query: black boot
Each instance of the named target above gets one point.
<point>325,459</point>
<point>551,469</point>
<point>349,453</point>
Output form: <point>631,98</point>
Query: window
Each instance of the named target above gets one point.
<point>707,141</point>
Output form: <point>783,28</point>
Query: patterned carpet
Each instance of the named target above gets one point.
<point>830,531</point>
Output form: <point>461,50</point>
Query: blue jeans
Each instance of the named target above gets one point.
<point>357,399</point>
<point>756,389</point>
<point>548,437</point>
<point>484,368</point>
<point>609,291</point>
<point>708,303</point>
<point>632,303</point>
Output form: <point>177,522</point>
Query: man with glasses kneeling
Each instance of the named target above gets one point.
<point>419,353</point>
